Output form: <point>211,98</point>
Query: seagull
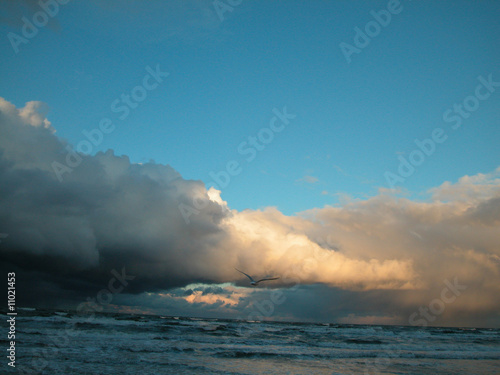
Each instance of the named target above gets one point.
<point>253,282</point>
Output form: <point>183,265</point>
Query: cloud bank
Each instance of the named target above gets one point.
<point>65,237</point>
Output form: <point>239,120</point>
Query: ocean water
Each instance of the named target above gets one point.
<point>51,342</point>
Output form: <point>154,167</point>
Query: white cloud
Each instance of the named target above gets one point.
<point>469,188</point>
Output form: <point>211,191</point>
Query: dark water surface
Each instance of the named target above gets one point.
<point>49,342</point>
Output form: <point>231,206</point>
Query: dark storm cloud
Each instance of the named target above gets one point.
<point>106,214</point>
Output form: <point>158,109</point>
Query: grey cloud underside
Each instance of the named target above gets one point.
<point>92,226</point>
<point>106,213</point>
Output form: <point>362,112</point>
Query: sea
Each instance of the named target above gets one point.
<point>64,342</point>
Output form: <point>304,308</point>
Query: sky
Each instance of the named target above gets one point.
<point>348,147</point>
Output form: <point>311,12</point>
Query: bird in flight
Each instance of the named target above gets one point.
<point>253,282</point>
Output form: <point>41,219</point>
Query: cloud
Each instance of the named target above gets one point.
<point>270,242</point>
<point>379,258</point>
<point>469,188</point>
<point>308,179</point>
<point>107,213</point>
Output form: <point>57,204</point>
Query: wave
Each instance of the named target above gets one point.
<point>363,341</point>
<point>345,354</point>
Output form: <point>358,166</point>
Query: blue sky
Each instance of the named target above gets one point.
<point>226,77</point>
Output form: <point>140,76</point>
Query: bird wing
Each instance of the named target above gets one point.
<point>268,278</point>
<point>250,277</point>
